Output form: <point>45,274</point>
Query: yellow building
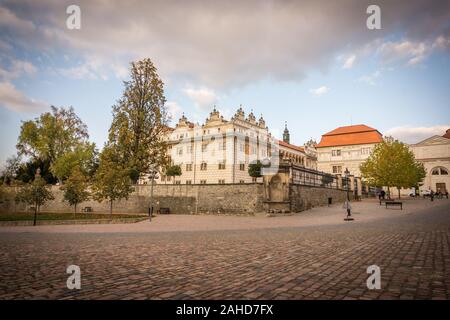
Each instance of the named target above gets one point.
<point>346,148</point>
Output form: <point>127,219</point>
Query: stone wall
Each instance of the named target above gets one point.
<point>306,197</point>
<point>239,199</point>
<point>184,199</point>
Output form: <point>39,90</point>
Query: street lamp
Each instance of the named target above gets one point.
<point>153,174</point>
<point>347,203</point>
<point>347,174</point>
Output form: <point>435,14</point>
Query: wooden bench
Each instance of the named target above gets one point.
<point>394,203</point>
<point>164,210</point>
<point>384,200</point>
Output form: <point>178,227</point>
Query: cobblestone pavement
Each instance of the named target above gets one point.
<point>309,262</point>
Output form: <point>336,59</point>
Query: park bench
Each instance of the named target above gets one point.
<point>394,203</point>
<point>87,209</point>
<point>164,210</point>
<point>384,200</point>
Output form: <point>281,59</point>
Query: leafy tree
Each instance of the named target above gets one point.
<point>28,170</point>
<point>84,157</point>
<point>52,135</point>
<point>76,188</point>
<point>35,193</point>
<point>327,179</point>
<point>140,120</point>
<point>392,164</point>
<point>173,171</point>
<point>9,173</point>
<point>254,169</point>
<point>112,180</point>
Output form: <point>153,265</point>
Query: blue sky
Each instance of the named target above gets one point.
<point>288,62</point>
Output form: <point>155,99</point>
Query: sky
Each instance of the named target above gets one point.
<point>313,64</point>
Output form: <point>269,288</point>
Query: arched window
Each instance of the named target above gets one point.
<point>439,171</point>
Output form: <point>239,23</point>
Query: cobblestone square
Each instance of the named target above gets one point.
<point>311,255</point>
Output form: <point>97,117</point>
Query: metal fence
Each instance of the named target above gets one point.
<point>310,177</point>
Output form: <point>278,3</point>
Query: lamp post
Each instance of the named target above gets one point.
<point>347,203</point>
<point>153,176</point>
<point>346,174</point>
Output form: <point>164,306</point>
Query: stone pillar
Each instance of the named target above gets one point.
<point>339,181</point>
<point>352,182</point>
<point>359,186</point>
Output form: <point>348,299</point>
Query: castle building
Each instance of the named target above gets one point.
<point>346,148</point>
<point>434,154</point>
<point>220,150</point>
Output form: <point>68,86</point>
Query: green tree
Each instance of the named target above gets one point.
<point>52,134</point>
<point>112,180</point>
<point>36,193</point>
<point>9,173</point>
<point>327,179</point>
<point>76,188</point>
<point>84,157</point>
<point>28,170</point>
<point>254,169</point>
<point>173,171</point>
<point>140,120</point>
<point>392,164</point>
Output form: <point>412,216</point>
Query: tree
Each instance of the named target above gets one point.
<point>327,179</point>
<point>392,164</point>
<point>76,188</point>
<point>52,135</point>
<point>173,171</point>
<point>35,193</point>
<point>84,157</point>
<point>112,180</point>
<point>140,120</point>
<point>28,170</point>
<point>9,173</point>
<point>254,169</point>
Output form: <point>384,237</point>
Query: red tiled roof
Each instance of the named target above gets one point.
<point>290,146</point>
<point>447,134</point>
<point>350,135</point>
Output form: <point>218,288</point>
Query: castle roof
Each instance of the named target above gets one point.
<point>350,135</point>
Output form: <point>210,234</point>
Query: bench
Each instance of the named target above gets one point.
<point>164,210</point>
<point>87,209</point>
<point>394,203</point>
<point>384,200</point>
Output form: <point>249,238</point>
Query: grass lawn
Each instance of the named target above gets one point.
<point>20,216</point>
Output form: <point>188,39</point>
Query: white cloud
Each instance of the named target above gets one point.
<point>209,44</point>
<point>174,109</point>
<point>348,64</point>
<point>9,20</point>
<point>371,78</point>
<point>17,69</point>
<point>319,91</point>
<point>202,97</point>
<point>13,99</point>
<point>416,134</point>
<point>410,52</point>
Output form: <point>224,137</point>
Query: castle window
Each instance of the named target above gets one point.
<point>188,182</point>
<point>336,153</point>
<point>178,182</point>
<point>189,167</point>
<point>202,181</point>
<point>439,171</point>
<point>222,165</point>
<point>242,166</point>
<point>203,166</point>
<point>221,181</point>
<point>336,169</point>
